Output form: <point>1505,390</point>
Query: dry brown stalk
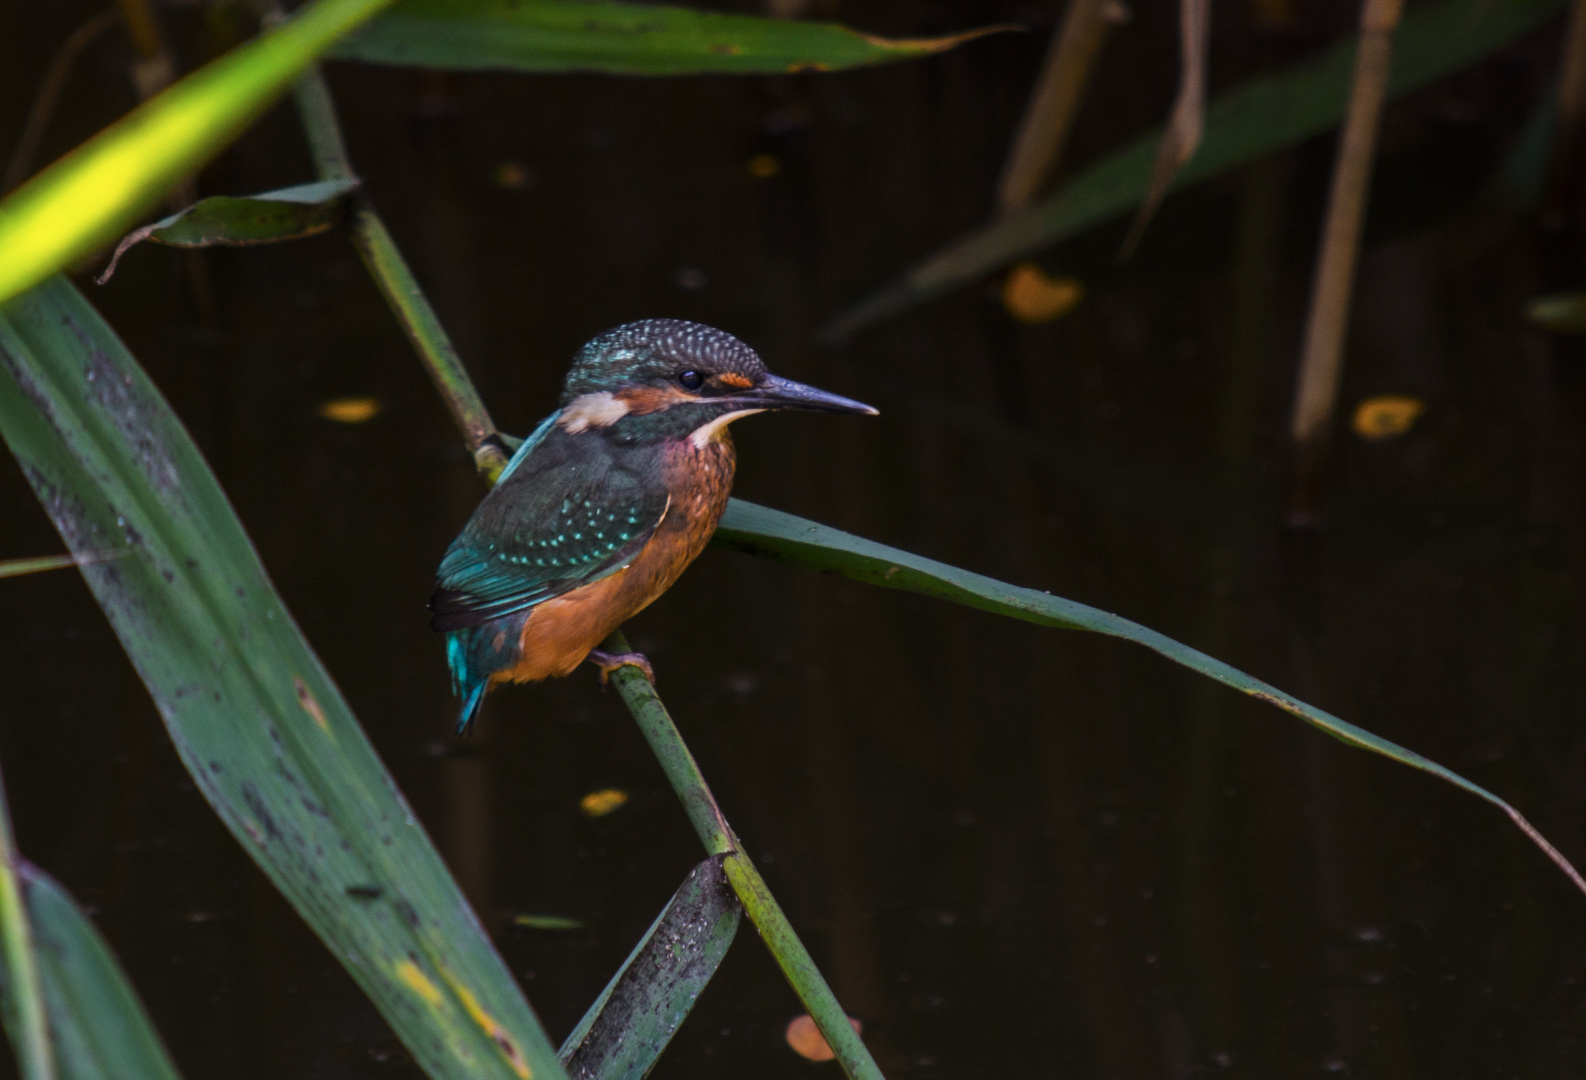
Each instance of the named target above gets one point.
<point>1321,360</point>
<point>1187,120</point>
<point>1049,117</point>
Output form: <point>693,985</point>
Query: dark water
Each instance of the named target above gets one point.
<point>1014,851</point>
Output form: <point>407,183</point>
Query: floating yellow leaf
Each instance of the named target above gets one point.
<point>351,410</point>
<point>808,1042</point>
<point>764,166</point>
<point>1387,415</point>
<point>1032,297</point>
<point>600,803</point>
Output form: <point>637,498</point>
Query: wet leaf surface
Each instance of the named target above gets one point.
<point>624,1032</point>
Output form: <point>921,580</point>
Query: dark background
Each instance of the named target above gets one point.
<point>1014,851</point>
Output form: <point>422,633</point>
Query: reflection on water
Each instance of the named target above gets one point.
<point>1014,851</point>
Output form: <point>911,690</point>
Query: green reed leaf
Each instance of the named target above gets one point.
<point>618,38</point>
<point>99,1028</point>
<point>255,717</point>
<point>245,220</point>
<point>786,538</point>
<point>1252,120</point>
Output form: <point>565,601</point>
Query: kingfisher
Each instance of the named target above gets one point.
<point>604,505</point>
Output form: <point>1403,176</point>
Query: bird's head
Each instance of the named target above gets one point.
<point>664,378</point>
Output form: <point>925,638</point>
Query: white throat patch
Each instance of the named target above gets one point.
<point>707,432</point>
<point>591,410</point>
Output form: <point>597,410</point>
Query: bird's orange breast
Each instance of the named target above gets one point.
<point>559,633</point>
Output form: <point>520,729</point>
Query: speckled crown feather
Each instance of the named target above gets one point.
<point>657,349</point>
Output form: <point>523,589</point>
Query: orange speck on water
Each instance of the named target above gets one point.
<point>764,166</point>
<point>808,1042</point>
<point>600,803</point>
<point>1387,416</point>
<point>1032,297</point>
<point>351,410</point>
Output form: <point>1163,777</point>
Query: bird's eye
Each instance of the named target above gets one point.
<point>690,380</point>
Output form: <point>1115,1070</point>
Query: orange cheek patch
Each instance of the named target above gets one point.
<point>649,399</point>
<point>735,380</point>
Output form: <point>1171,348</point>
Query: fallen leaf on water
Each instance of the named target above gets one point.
<point>547,922</point>
<point>808,1042</point>
<point>1562,313</point>
<point>1032,297</point>
<point>1386,416</point>
<point>351,410</point>
<point>600,803</point>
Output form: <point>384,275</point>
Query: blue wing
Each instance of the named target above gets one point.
<point>565,513</point>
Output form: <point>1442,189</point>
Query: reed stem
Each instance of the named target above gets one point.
<point>1049,117</point>
<point>397,283</point>
<point>775,930</point>
<point>1322,358</point>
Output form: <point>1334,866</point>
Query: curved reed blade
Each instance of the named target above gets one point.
<point>786,538</point>
<point>255,717</point>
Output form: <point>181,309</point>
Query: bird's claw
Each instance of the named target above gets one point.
<point>609,662</point>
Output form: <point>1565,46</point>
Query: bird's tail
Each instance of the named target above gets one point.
<point>476,654</point>
<point>469,679</point>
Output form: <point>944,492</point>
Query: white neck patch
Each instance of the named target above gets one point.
<point>591,410</point>
<point>707,432</point>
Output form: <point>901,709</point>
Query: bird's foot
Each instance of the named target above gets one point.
<point>609,662</point>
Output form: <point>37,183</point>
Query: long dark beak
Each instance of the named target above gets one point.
<point>779,393</point>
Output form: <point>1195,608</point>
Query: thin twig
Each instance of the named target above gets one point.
<point>35,1056</point>
<point>396,282</point>
<point>49,94</point>
<point>1321,362</point>
<point>775,930</point>
<point>1049,117</point>
<point>1187,120</point>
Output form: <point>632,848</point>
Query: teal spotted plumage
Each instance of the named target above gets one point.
<point>604,504</point>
